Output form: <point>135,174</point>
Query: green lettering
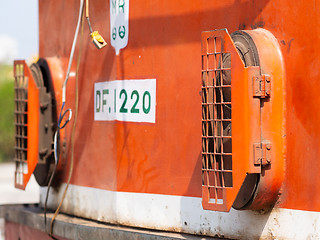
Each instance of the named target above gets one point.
<point>146,109</point>
<point>114,33</point>
<point>115,101</point>
<point>122,33</point>
<point>104,101</point>
<point>123,109</point>
<point>114,4</point>
<point>134,109</point>
<point>98,99</point>
<point>121,5</point>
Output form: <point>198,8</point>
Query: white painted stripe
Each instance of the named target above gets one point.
<point>184,214</point>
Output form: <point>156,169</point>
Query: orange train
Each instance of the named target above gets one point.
<point>195,117</point>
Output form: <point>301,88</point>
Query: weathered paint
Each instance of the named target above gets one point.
<point>184,214</point>
<point>26,222</point>
<point>133,159</point>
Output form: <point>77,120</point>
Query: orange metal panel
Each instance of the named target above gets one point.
<point>33,108</point>
<point>272,111</point>
<point>165,43</point>
<point>245,121</point>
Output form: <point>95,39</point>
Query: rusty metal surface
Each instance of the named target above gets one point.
<point>27,222</point>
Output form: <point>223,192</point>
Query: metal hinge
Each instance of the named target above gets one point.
<point>262,86</point>
<point>262,153</point>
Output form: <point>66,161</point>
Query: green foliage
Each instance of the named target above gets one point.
<point>6,113</point>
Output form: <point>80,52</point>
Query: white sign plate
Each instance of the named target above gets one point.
<point>119,24</point>
<point>125,100</point>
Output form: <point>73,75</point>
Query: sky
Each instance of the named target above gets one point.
<point>18,29</point>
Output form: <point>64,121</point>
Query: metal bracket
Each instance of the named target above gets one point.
<point>261,86</point>
<point>262,153</point>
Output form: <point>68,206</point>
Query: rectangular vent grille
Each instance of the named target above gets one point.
<point>21,123</point>
<point>216,120</point>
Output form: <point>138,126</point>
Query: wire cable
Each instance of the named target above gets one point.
<point>60,119</point>
<point>87,16</point>
<point>56,157</point>
<point>72,133</point>
<point>72,52</point>
<point>97,39</point>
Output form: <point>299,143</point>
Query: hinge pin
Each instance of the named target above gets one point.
<point>262,153</point>
<point>261,86</point>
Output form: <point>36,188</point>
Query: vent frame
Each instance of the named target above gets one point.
<point>26,123</point>
<point>220,196</point>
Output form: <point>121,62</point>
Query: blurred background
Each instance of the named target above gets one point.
<point>18,40</point>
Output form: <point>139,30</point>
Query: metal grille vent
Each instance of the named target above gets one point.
<point>216,120</point>
<point>21,123</point>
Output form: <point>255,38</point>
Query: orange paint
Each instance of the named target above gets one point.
<point>32,124</point>
<point>165,43</point>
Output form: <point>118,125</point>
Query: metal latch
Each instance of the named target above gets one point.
<point>262,153</point>
<point>262,86</point>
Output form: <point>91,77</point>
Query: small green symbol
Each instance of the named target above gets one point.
<point>114,4</point>
<point>114,33</point>
<point>122,33</point>
<point>121,6</point>
<point>109,109</point>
